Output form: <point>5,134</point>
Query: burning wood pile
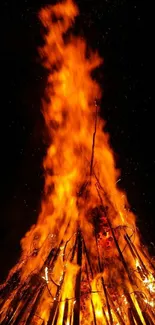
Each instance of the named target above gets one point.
<point>82,263</point>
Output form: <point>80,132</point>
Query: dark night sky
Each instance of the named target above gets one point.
<point>122,31</point>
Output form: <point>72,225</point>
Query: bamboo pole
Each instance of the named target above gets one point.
<point>22,311</point>
<point>35,305</point>
<point>135,253</point>
<point>117,246</point>
<point>76,309</point>
<point>103,284</point>
<point>133,308</point>
<point>55,304</point>
<point>147,318</point>
<point>54,310</point>
<point>65,317</point>
<point>130,316</point>
<point>93,309</point>
<point>120,319</point>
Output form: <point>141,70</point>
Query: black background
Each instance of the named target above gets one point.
<point>122,31</point>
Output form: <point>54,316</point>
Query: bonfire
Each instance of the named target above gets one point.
<point>82,263</point>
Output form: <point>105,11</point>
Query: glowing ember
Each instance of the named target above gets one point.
<point>82,263</point>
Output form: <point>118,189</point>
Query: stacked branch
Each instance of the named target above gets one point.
<point>95,296</point>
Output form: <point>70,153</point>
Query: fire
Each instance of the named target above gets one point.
<point>150,283</point>
<point>82,262</point>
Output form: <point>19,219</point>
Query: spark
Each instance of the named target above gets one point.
<point>118,180</point>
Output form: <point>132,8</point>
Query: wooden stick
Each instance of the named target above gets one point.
<point>130,316</point>
<point>93,142</point>
<point>76,310</point>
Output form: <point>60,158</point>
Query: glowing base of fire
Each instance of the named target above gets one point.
<point>71,289</point>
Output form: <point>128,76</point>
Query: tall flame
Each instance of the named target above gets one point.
<point>89,269</point>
